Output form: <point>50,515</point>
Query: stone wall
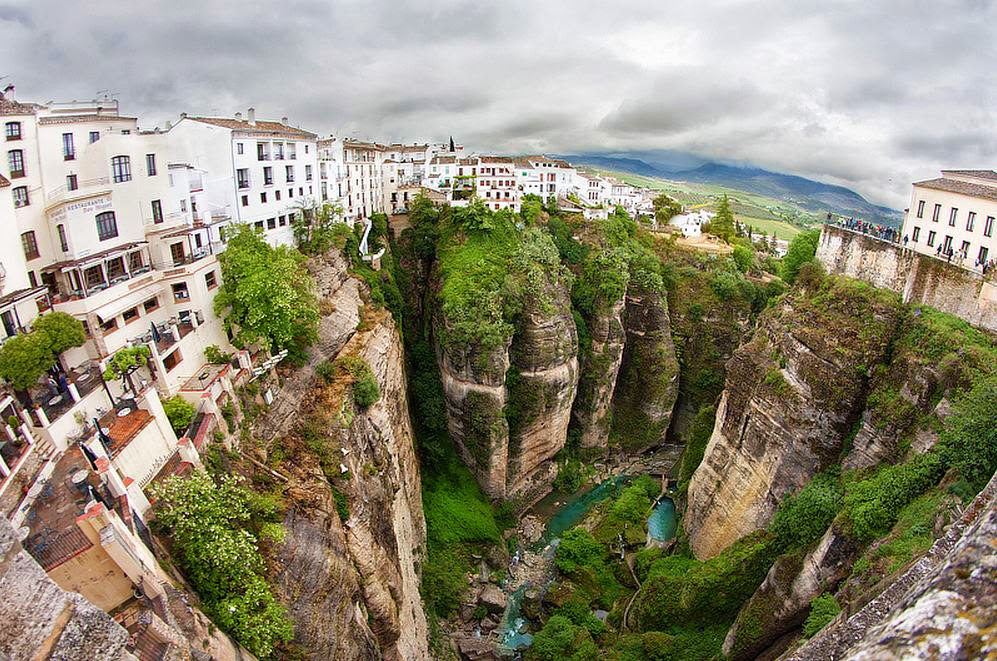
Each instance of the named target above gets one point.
<point>43,621</point>
<point>918,278</point>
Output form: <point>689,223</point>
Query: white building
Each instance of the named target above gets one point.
<point>257,172</point>
<point>691,223</point>
<point>405,169</point>
<point>591,189</point>
<point>955,212</point>
<point>547,178</point>
<point>495,182</point>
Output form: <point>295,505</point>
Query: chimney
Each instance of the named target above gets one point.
<point>238,116</point>
<point>8,92</point>
<point>169,125</point>
<point>252,116</point>
<point>183,115</point>
<point>283,120</point>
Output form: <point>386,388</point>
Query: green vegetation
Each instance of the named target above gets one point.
<point>216,356</point>
<point>969,439</point>
<point>214,531</point>
<point>266,293</point>
<point>695,445</point>
<point>363,384</point>
<point>823,609</point>
<point>586,562</point>
<point>24,358</point>
<point>627,514</point>
<point>125,362</point>
<point>722,225</point>
<point>801,250</point>
<point>315,226</point>
<point>665,208</point>
<point>562,640</point>
<point>803,517</point>
<point>179,412</point>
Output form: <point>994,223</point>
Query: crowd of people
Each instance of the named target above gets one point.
<point>884,232</point>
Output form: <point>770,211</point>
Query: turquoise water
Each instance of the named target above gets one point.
<point>661,523</point>
<point>512,628</point>
<point>572,513</point>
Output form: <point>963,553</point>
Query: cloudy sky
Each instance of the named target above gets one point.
<point>871,94</point>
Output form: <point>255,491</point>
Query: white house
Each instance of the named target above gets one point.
<point>955,212</point>
<point>691,223</point>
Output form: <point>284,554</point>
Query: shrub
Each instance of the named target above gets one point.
<point>969,439</point>
<point>216,356</point>
<point>803,517</point>
<point>366,391</point>
<point>823,609</point>
<point>560,640</point>
<point>695,446</point>
<point>744,257</point>
<point>801,250</point>
<point>180,413</point>
<point>325,371</point>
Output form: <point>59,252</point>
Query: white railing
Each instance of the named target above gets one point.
<point>63,192</point>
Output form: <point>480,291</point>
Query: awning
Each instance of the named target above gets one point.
<point>130,300</point>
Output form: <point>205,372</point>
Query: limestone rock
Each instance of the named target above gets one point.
<point>599,374</point>
<point>493,599</point>
<point>792,394</point>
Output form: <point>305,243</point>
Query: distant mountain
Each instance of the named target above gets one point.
<point>806,193</point>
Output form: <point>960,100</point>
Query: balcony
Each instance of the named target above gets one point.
<point>83,188</point>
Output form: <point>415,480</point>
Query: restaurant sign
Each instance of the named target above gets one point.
<point>85,207</point>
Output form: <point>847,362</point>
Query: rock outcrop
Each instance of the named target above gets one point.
<point>942,607</point>
<point>782,602</point>
<point>599,370</point>
<point>348,568</point>
<point>792,395</point>
<point>647,385</point>
<point>508,406</point>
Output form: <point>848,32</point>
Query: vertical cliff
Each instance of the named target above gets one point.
<point>792,394</point>
<point>599,370</point>
<point>348,568</point>
<point>648,381</point>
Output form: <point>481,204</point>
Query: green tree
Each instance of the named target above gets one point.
<point>61,331</point>
<point>560,640</point>
<point>214,529</point>
<point>744,257</point>
<point>665,208</point>
<point>179,412</point>
<point>823,609</point>
<point>266,293</point>
<point>802,249</point>
<point>314,225</point>
<point>24,358</point>
<point>722,225</point>
<point>124,363</point>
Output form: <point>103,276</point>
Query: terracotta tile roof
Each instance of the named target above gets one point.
<point>496,159</point>
<point>4,182</point>
<point>962,187</point>
<point>990,175</point>
<point>77,119</point>
<point>260,126</point>
<point>11,107</point>
<point>360,144</point>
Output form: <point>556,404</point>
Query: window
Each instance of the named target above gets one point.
<point>177,253</point>
<point>916,235</point>
<point>276,195</point>
<point>308,173</point>
<point>947,244</point>
<point>981,258</point>
<point>282,221</point>
<point>116,268</point>
<point>952,216</point>
<point>301,191</point>
<point>271,223</point>
<point>970,221</point>
<point>210,280</point>
<point>258,225</point>
<point>136,261</point>
<point>290,192</point>
<point>130,315</point>
<point>278,151</point>
<point>109,325</point>
<point>262,153</point>
<point>63,241</point>
<point>150,165</point>
<point>151,304</point>
<point>240,148</point>
<point>306,149</point>
<point>30,245</point>
<point>157,211</point>
<point>107,226</point>
<point>289,171</point>
<point>68,150</point>
<point>931,238</point>
<point>121,168</point>
<point>15,159</point>
<point>242,177</point>
<point>21,196</point>
<point>964,248</point>
<point>172,360</point>
<point>263,197</point>
<point>268,176</point>
<point>245,200</point>
<point>31,279</point>
<point>71,183</point>
<point>180,292</point>
<point>94,136</point>
<point>937,212</point>
<point>988,227</point>
<point>13,130</point>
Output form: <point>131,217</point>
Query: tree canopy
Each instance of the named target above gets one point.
<point>266,293</point>
<point>25,357</point>
<point>665,208</point>
<point>722,225</point>
<point>313,226</point>
<point>802,249</point>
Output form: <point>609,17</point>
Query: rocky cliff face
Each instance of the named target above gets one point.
<point>535,372</point>
<point>647,385</point>
<point>348,569</point>
<point>792,394</point>
<point>600,368</point>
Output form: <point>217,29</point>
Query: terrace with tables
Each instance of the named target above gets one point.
<point>86,277</point>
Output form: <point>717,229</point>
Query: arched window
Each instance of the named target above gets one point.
<point>121,168</point>
<point>107,226</point>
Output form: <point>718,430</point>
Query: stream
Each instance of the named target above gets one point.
<point>534,566</point>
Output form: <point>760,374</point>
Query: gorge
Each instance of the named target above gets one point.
<point>538,376</point>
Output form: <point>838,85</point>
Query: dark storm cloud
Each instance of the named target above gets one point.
<point>866,94</point>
